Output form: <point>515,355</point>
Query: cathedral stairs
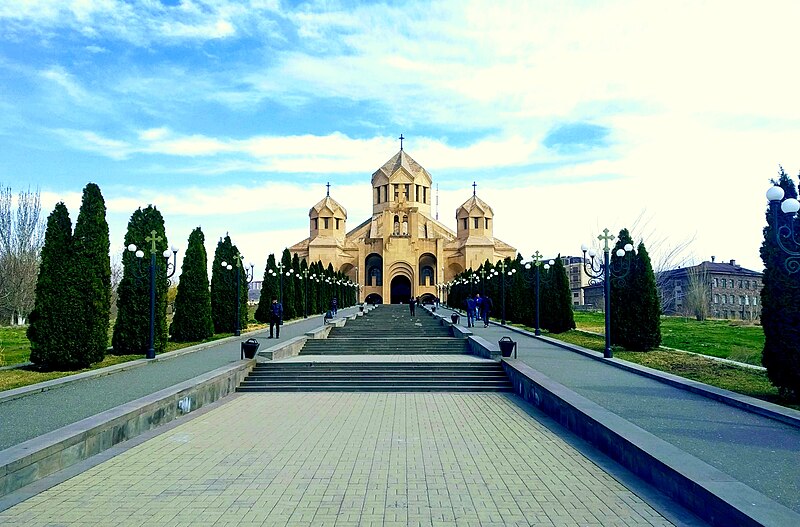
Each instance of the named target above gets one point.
<point>386,331</point>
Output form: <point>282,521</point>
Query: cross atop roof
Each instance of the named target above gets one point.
<point>401,141</point>
<point>328,193</point>
<point>474,188</point>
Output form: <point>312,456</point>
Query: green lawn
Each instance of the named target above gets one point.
<point>719,338</point>
<point>14,345</point>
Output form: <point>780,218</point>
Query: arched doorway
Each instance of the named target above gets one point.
<point>374,299</point>
<point>401,290</point>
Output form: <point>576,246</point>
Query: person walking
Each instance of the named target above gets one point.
<point>478,306</point>
<point>334,306</point>
<point>470,312</point>
<point>486,309</point>
<point>412,304</point>
<point>275,318</point>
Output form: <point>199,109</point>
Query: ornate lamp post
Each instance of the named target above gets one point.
<point>503,274</point>
<point>785,234</point>
<point>306,278</point>
<point>248,275</point>
<point>536,263</point>
<point>140,274</point>
<point>606,271</point>
<point>483,280</point>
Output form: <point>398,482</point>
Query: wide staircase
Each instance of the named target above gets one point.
<point>430,363</point>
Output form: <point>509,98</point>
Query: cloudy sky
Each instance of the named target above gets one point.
<point>666,117</point>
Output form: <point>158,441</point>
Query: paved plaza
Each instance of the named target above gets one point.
<point>389,459</point>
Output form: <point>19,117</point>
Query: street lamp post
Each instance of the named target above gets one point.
<point>483,280</point>
<point>237,259</point>
<point>305,277</point>
<point>785,234</point>
<point>503,277</point>
<point>606,271</point>
<point>536,263</point>
<point>153,239</point>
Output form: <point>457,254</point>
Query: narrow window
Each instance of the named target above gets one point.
<point>755,301</point>
<point>475,222</point>
<point>416,193</point>
<point>724,298</point>
<point>396,191</point>
<point>316,223</point>
<point>386,193</point>
<point>378,193</point>
<point>337,222</point>
<point>716,282</point>
<point>716,299</point>
<point>733,299</point>
<point>408,191</point>
<point>486,223</point>
<point>465,223</point>
<point>424,194</point>
<point>724,283</point>
<point>325,223</point>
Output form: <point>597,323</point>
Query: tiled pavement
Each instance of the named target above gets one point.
<point>346,459</point>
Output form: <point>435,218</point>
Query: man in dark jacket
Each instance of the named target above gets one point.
<point>275,318</point>
<point>486,309</point>
<point>412,303</point>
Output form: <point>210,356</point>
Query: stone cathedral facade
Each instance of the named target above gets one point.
<point>401,251</point>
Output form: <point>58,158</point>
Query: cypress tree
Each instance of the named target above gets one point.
<point>635,307</point>
<point>298,286</point>
<point>330,288</point>
<point>623,295</point>
<point>53,334</point>
<point>269,290</point>
<point>132,328</point>
<point>561,316</point>
<point>289,311</point>
<point>92,274</point>
<point>780,305</point>
<point>305,273</point>
<point>192,319</point>
<point>223,289</point>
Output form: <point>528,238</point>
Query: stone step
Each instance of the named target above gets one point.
<point>377,388</point>
<point>379,366</point>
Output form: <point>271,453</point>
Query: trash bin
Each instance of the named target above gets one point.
<point>249,348</point>
<point>361,308</point>
<point>507,346</point>
<point>454,318</point>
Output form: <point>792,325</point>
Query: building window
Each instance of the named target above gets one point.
<point>408,191</point>
<point>475,222</point>
<point>747,284</point>
<point>424,194</point>
<point>724,283</point>
<point>325,222</point>
<point>741,300</point>
<point>465,223</point>
<point>716,282</point>
<point>386,193</point>
<point>396,192</point>
<point>747,300</point>
<point>374,277</point>
<point>486,223</point>
<point>733,299</point>
<point>724,298</point>
<point>740,284</point>
<point>755,300</point>
<point>378,194</point>
<point>716,299</point>
<point>337,222</point>
<point>316,223</point>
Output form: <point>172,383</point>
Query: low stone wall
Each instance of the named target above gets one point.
<point>319,333</point>
<point>284,350</point>
<point>36,458</point>
<point>482,348</point>
<point>711,494</point>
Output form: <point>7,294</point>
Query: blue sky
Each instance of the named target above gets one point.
<point>667,118</point>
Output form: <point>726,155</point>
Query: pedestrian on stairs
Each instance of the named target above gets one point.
<point>275,318</point>
<point>486,309</point>
<point>334,305</point>
<point>470,312</point>
<point>412,304</point>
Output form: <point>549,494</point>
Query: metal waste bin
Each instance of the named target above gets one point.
<point>454,318</point>
<point>249,348</point>
<point>507,346</point>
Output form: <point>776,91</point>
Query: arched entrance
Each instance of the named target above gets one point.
<point>401,290</point>
<point>374,299</point>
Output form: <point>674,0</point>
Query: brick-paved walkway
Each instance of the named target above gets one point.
<point>346,459</point>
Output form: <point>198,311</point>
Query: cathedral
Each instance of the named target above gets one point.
<point>401,251</point>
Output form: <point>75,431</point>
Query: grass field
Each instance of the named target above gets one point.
<point>719,338</point>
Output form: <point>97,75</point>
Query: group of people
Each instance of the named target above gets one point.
<point>478,308</point>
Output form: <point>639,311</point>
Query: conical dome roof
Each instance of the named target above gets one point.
<point>329,203</point>
<point>398,161</point>
<point>473,203</point>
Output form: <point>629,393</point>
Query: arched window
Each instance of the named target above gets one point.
<point>405,225</point>
<point>396,230</point>
<point>374,277</point>
<point>374,266</point>
<point>427,269</point>
<point>426,276</point>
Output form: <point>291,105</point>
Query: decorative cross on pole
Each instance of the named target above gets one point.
<point>328,193</point>
<point>401,141</point>
<point>605,238</point>
<point>153,238</point>
<point>474,188</point>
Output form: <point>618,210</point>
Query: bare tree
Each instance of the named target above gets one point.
<point>666,255</point>
<point>696,299</point>
<point>21,238</point>
<point>116,278</point>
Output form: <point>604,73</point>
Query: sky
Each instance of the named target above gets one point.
<point>667,118</point>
